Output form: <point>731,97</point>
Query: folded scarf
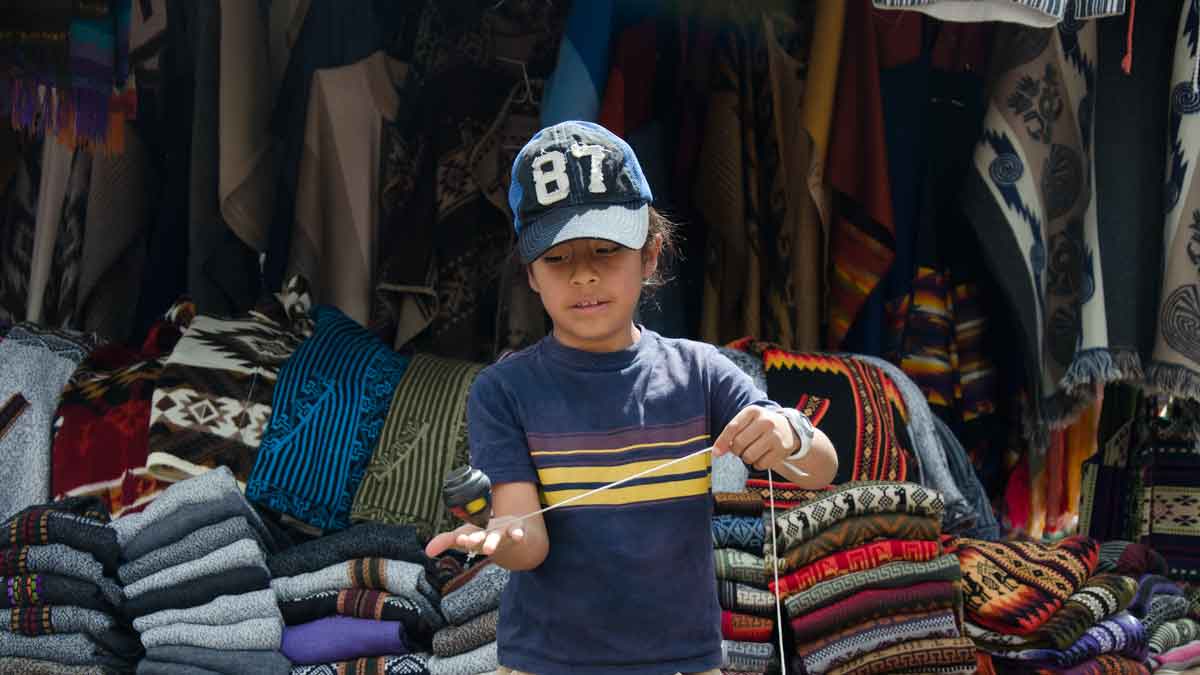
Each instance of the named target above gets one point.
<point>455,640</point>
<point>196,545</point>
<point>34,621</point>
<point>342,638</point>
<point>464,576</point>
<point>929,596</point>
<point>479,595</point>
<point>408,664</point>
<point>61,560</point>
<point>1188,655</point>
<point>854,532</point>
<point>199,591</point>
<point>734,565</point>
<point>394,576</point>
<point>369,540</point>
<point>930,656</point>
<point>226,662</point>
<point>1121,635</point>
<point>243,553</point>
<point>737,597</point>
<point>740,532</point>
<point>746,628</point>
<point>749,656</point>
<point>172,529</point>
<point>362,604</point>
<point>223,611</point>
<point>846,645</point>
<point>865,557</point>
<point>1101,597</point>
<point>72,649</point>
<point>738,503</point>
<point>1128,558</point>
<point>249,634</point>
<point>14,665</point>
<point>1149,586</point>
<point>36,590</point>
<point>1164,608</point>
<point>45,525</point>
<point>805,522</point>
<point>485,659</point>
<point>1036,581</point>
<point>892,575</point>
<point>1172,634</point>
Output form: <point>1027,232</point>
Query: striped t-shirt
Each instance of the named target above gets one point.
<point>628,586</point>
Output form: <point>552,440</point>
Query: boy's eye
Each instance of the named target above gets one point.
<point>607,250</point>
<point>553,259</point>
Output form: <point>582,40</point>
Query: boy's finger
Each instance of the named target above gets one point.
<point>440,544</point>
<point>492,542</point>
<point>516,532</point>
<point>750,434</point>
<point>724,442</point>
<point>758,454</point>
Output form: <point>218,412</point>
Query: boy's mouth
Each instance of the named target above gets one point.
<point>588,305</point>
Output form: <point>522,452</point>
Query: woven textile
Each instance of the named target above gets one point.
<point>423,438</point>
<point>919,655</point>
<point>484,659</point>
<point>242,553</point>
<point>750,656</point>
<point>857,531</point>
<point>1038,580</point>
<point>264,634</point>
<point>199,591</point>
<point>1164,608</point>
<point>36,590</point>
<point>1173,634</point>
<point>746,627</point>
<point>408,664</point>
<point>196,545</point>
<point>45,525</point>
<point>786,495</point>
<point>369,540</point>
<point>61,560</point>
<point>1102,596</point>
<point>820,656</point>
<point>455,640</point>
<point>738,503</point>
<point>1170,492</point>
<point>892,575</point>
<point>480,594</point>
<point>1122,635</point>
<point>361,604</point>
<point>737,597</point>
<point>929,596</point>
<point>394,576</point>
<point>225,610</point>
<point>865,557</point>
<point>804,523</point>
<point>328,410</point>
<point>740,532</point>
<point>33,621</point>
<point>734,565</point>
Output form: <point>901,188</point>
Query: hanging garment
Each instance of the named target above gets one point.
<point>1175,365</point>
<point>1169,499</point>
<point>580,75</point>
<point>1036,13</point>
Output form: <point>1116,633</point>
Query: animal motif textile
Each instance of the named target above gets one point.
<point>865,557</point>
<point>822,655</point>
<point>859,530</point>
<point>1102,596</point>
<point>1015,587</point>
<point>924,656</point>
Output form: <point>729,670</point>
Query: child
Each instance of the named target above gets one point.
<point>622,581</point>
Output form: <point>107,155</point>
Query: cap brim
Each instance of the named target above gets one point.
<point>625,224</point>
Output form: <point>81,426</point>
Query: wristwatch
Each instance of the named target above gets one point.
<point>804,431</point>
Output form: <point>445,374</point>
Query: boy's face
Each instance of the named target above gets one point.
<point>590,288</point>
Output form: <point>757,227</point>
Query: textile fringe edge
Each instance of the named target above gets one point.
<point>1078,389</point>
<point>1174,380</point>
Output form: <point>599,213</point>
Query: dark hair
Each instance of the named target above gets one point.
<point>666,230</point>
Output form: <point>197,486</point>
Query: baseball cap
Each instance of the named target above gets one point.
<point>577,180</point>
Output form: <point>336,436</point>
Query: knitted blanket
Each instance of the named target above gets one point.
<point>737,597</point>
<point>929,596</point>
<point>329,407</point>
<point>741,532</point>
<point>745,627</point>
<point>1037,580</point>
<point>734,565</point>
<point>892,575</point>
<point>844,646</point>
<point>1122,635</point>
<point>394,576</point>
<point>865,557</point>
<point>479,595</point>
<point>804,523</point>
<point>409,664</point>
<point>423,438</point>
<point>1173,634</point>
<point>61,560</point>
<point>1102,596</point>
<point>362,604</point>
<point>45,525</point>
<point>226,662</point>
<point>369,540</point>
<point>484,659</point>
<point>239,554</point>
<point>250,634</point>
<point>223,611</point>
<point>925,656</point>
<point>192,547</point>
<point>455,640</point>
<point>46,620</point>
<point>749,656</point>
<point>199,591</point>
<point>857,531</point>
<point>36,590</point>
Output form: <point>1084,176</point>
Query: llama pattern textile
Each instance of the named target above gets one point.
<point>891,575</point>
<point>1042,578</point>
<point>409,664</point>
<point>225,662</point>
<point>61,560</point>
<point>192,547</point>
<point>243,553</point>
<point>223,611</point>
<point>251,634</point>
<point>1102,596</point>
<point>844,646</point>
<point>46,620</point>
<point>368,540</point>
<point>480,594</point>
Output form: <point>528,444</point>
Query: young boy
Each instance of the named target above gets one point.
<point>622,581</point>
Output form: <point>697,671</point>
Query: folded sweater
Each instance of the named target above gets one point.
<point>46,620</point>
<point>199,591</point>
<point>243,553</point>
<point>195,545</point>
<point>368,540</point>
<point>340,638</point>
<point>226,662</point>
<point>223,611</point>
<point>249,634</point>
<point>394,576</point>
<point>36,590</point>
<point>478,596</point>
<point>58,559</point>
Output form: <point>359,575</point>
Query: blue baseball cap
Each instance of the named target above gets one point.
<point>577,180</point>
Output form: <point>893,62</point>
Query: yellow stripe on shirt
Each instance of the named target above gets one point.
<point>632,494</point>
<point>608,474</point>
<point>638,446</point>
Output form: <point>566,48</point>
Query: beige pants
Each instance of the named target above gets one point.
<point>506,671</point>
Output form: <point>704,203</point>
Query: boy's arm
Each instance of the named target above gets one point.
<point>510,501</point>
<point>816,469</point>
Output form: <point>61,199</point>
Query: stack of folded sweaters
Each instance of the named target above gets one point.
<point>1171,623</point>
<point>865,584</point>
<point>57,566</point>
<point>357,601</point>
<point>196,583</point>
<point>471,606</point>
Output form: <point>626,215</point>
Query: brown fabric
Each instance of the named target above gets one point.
<point>859,530</point>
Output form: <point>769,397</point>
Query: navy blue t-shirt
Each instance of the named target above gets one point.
<point>628,585</point>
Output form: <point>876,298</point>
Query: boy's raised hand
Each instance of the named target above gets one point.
<point>761,437</point>
<point>472,539</point>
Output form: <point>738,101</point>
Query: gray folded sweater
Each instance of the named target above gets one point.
<point>224,611</point>
<point>243,553</point>
<point>72,649</point>
<point>249,634</point>
<point>484,659</point>
<point>395,576</point>
<point>478,596</point>
<point>150,667</point>
<point>14,665</point>
<point>62,560</point>
<point>62,619</point>
<point>226,662</point>
<point>196,545</point>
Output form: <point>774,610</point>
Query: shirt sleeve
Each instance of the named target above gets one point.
<point>495,432</point>
<point>729,391</point>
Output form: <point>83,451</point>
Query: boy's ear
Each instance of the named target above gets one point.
<point>533,284</point>
<point>650,254</point>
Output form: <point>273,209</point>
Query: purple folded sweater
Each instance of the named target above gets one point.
<point>342,638</point>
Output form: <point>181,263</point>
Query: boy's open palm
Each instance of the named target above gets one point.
<point>501,531</point>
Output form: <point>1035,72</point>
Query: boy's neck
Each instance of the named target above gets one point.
<point>615,343</point>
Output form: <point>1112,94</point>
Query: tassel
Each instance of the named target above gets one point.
<point>1127,61</point>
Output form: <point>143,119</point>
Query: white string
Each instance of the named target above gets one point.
<point>775,570</point>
